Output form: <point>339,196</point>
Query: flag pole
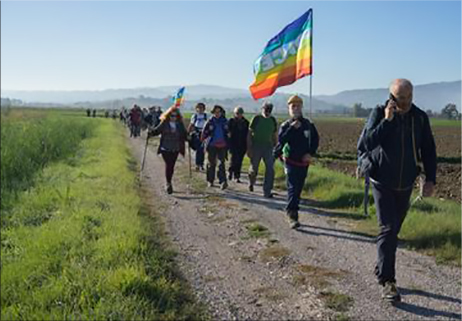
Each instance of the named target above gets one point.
<point>311,65</point>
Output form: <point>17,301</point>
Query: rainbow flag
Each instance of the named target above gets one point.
<point>286,58</point>
<point>178,98</point>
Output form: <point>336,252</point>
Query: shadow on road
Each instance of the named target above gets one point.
<point>426,312</point>
<point>340,234</point>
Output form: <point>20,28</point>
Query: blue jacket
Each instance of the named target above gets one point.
<point>210,128</point>
<point>397,146</point>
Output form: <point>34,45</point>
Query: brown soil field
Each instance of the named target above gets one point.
<point>337,149</point>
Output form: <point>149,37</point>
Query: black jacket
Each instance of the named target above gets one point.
<point>299,141</point>
<point>238,130</point>
<point>397,146</point>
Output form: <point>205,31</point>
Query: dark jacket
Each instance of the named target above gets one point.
<point>296,142</point>
<point>209,128</point>
<point>173,141</point>
<point>238,130</point>
<point>398,145</point>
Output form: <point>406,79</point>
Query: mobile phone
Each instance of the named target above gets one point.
<point>393,98</point>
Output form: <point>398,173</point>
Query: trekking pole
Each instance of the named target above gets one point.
<point>144,157</point>
<point>189,154</point>
<point>420,196</point>
<point>367,183</point>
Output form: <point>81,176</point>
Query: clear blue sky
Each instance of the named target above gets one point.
<point>100,45</point>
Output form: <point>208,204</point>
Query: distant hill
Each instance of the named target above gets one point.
<point>432,96</point>
<point>116,98</point>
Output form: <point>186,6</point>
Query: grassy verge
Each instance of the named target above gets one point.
<point>83,246</point>
<point>432,225</point>
<point>30,142</point>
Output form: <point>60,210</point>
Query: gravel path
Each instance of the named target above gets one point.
<point>242,259</point>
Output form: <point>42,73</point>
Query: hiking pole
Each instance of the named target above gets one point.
<point>367,183</point>
<point>189,154</point>
<point>420,196</point>
<point>144,156</point>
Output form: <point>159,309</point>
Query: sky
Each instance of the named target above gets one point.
<point>90,45</point>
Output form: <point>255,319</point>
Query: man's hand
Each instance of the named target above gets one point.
<point>390,110</point>
<point>296,123</point>
<point>428,189</point>
<point>306,158</point>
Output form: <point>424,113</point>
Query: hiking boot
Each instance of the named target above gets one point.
<point>390,292</point>
<point>251,188</point>
<point>294,224</point>
<point>169,189</point>
<point>224,185</point>
<point>269,195</point>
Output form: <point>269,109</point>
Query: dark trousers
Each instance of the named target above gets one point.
<point>236,163</point>
<point>198,147</point>
<point>214,154</point>
<point>391,207</point>
<point>200,155</point>
<point>170,160</point>
<point>295,179</point>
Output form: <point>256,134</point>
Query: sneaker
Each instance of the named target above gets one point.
<point>251,188</point>
<point>270,195</point>
<point>169,189</point>
<point>224,185</point>
<point>210,184</point>
<point>238,180</point>
<point>390,292</point>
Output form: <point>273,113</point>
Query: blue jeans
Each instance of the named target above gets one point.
<point>391,207</point>
<point>295,179</point>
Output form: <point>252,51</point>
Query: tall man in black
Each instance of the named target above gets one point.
<point>397,136</point>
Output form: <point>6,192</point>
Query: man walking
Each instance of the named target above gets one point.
<point>396,137</point>
<point>298,141</point>
<point>260,142</point>
<point>238,131</point>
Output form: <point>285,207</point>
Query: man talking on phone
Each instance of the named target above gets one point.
<point>398,137</point>
<point>297,142</point>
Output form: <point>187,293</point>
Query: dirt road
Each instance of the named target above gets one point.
<point>242,259</point>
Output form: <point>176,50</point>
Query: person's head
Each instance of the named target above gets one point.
<point>218,111</point>
<point>172,114</point>
<point>200,108</point>
<point>239,112</point>
<point>295,105</point>
<point>266,109</point>
<point>402,89</point>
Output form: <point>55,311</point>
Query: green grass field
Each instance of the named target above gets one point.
<point>81,245</point>
<point>432,225</point>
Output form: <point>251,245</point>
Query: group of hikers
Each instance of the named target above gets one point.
<point>137,118</point>
<point>107,113</point>
<point>396,138</point>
